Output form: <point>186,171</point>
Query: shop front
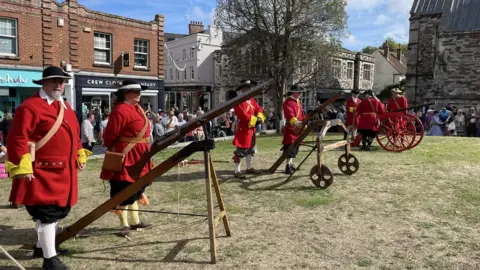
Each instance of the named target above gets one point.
<point>16,85</point>
<point>96,93</point>
<point>188,98</point>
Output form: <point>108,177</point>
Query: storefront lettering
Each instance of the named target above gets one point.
<point>114,83</point>
<point>10,79</point>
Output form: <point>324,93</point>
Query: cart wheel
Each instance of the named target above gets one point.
<point>322,178</point>
<point>419,130</point>
<point>348,165</point>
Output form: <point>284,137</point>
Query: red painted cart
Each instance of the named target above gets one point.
<point>398,131</point>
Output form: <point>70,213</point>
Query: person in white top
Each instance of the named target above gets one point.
<point>88,139</point>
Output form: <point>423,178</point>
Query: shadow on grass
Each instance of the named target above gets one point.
<point>168,258</point>
<point>11,237</point>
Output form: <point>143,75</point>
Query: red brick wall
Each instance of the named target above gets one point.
<point>42,42</point>
<point>29,31</point>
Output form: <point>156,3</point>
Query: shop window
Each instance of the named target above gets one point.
<point>8,37</point>
<point>141,53</point>
<point>102,48</point>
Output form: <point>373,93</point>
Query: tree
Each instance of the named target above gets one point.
<point>369,49</point>
<point>387,91</point>
<point>278,38</point>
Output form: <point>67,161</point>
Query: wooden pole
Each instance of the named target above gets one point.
<point>221,205</point>
<point>211,226</point>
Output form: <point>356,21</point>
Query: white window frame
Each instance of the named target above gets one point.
<point>349,77</point>
<point>192,73</point>
<point>369,71</point>
<point>147,54</point>
<point>192,53</point>
<point>337,69</point>
<point>15,38</point>
<point>102,49</point>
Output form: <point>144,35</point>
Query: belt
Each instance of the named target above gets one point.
<point>135,140</point>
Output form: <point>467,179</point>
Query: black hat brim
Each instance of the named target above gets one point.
<point>251,83</point>
<point>39,82</point>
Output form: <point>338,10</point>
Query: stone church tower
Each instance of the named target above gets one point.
<point>444,53</point>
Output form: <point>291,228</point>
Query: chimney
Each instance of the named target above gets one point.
<point>399,53</point>
<point>195,27</point>
<point>386,50</point>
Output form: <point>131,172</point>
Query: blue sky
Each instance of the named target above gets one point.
<point>369,21</point>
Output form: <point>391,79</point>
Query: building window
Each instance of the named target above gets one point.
<point>102,48</point>
<point>185,74</point>
<point>141,53</point>
<point>8,37</point>
<point>192,73</point>
<point>350,70</point>
<point>178,75</point>
<point>367,72</point>
<point>192,53</point>
<point>171,75</point>
<point>184,54</point>
<point>336,68</point>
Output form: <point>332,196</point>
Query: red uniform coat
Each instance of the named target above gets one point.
<point>126,120</point>
<point>368,116</point>
<point>55,166</point>
<point>291,108</point>
<point>351,111</point>
<point>244,112</point>
<point>394,104</point>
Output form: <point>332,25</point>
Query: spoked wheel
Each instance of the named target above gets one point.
<point>322,178</point>
<point>418,130</point>
<point>348,164</point>
<point>396,133</point>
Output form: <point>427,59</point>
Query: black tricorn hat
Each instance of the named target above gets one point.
<point>369,92</point>
<point>244,83</point>
<point>131,84</point>
<point>297,88</point>
<point>356,92</point>
<point>52,72</point>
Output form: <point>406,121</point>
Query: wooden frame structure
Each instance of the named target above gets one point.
<point>211,180</point>
<point>320,174</point>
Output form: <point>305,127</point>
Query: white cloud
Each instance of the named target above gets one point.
<point>199,14</point>
<point>400,6</point>
<point>381,19</point>
<point>399,32</point>
<point>351,42</point>
<point>363,4</point>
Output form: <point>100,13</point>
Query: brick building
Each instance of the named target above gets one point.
<point>99,49</point>
<point>443,52</point>
<point>346,70</point>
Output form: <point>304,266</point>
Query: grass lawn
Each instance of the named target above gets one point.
<point>419,209</point>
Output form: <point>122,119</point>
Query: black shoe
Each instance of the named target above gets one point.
<point>38,252</point>
<point>288,169</point>
<point>240,175</point>
<point>54,263</point>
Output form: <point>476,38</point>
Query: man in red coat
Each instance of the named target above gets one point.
<point>249,115</point>
<point>293,112</point>
<point>397,101</point>
<point>369,109</point>
<point>352,116</point>
<point>46,183</point>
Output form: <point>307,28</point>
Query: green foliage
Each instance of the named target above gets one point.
<point>387,91</point>
<point>369,49</point>
<point>392,44</point>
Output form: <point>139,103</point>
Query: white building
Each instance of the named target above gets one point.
<point>189,67</point>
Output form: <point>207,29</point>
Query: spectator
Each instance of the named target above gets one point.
<point>158,129</point>
<point>437,124</point>
<point>103,125</point>
<point>87,132</point>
